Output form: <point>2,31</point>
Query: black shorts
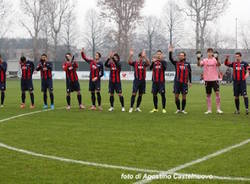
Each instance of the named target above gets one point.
<point>72,86</point>
<point>47,85</point>
<point>180,87</point>
<point>212,85</point>
<point>139,85</point>
<point>27,85</point>
<point>95,86</point>
<point>240,88</point>
<point>158,87</point>
<point>2,86</point>
<point>115,87</point>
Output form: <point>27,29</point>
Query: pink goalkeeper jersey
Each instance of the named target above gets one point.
<point>210,69</point>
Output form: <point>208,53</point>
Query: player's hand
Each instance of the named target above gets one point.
<point>111,54</point>
<point>24,67</point>
<point>170,48</point>
<point>94,79</point>
<point>143,53</point>
<point>82,50</point>
<point>45,69</point>
<point>35,72</point>
<point>71,68</point>
<point>131,52</point>
<point>190,85</point>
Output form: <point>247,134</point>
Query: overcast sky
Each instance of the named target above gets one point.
<point>237,9</point>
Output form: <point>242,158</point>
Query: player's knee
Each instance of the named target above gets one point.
<point>133,94</point>
<point>120,94</point>
<point>111,94</point>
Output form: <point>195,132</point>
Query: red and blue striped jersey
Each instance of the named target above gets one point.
<point>46,70</point>
<point>158,68</point>
<point>115,70</point>
<point>239,69</point>
<point>96,68</point>
<point>3,69</point>
<point>70,69</point>
<point>140,69</point>
<point>183,71</point>
<point>27,69</point>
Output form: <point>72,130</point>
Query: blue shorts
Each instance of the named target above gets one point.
<point>115,87</point>
<point>2,86</point>
<point>158,87</point>
<point>72,86</point>
<point>139,85</point>
<point>240,88</point>
<point>95,86</point>
<point>47,85</point>
<point>180,88</point>
<point>27,85</point>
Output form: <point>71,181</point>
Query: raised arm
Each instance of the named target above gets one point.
<point>84,57</point>
<point>144,56</point>
<point>130,59</point>
<point>170,49</point>
<point>227,62</point>
<point>199,56</point>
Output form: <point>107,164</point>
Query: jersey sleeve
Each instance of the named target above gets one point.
<point>172,59</point>
<point>39,67</point>
<point>75,65</point>
<point>190,73</point>
<point>131,63</point>
<point>101,70</point>
<point>228,63</point>
<point>151,66</point>
<point>85,58</point>
<point>4,66</point>
<point>107,64</point>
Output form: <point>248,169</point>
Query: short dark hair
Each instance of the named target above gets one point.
<point>140,54</point>
<point>44,55</point>
<point>159,51</point>
<point>68,54</point>
<point>210,50</point>
<point>99,54</point>
<point>117,55</point>
<point>238,53</point>
<point>182,52</point>
<point>23,58</point>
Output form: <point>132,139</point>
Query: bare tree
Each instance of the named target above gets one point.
<point>56,11</point>
<point>70,28</point>
<point>173,20</point>
<point>95,31</point>
<point>151,27</point>
<point>202,12</point>
<point>245,37</point>
<point>33,9</point>
<point>124,13</point>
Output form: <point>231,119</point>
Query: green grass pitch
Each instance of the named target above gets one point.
<point>142,140</point>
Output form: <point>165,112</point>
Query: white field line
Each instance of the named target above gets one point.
<point>172,171</point>
<point>205,158</point>
<point>77,161</point>
<point>193,176</point>
<point>22,115</point>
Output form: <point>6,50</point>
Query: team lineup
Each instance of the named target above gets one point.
<point>158,66</point>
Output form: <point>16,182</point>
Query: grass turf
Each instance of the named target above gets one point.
<point>150,141</point>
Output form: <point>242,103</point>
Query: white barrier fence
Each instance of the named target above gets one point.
<point>85,75</point>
